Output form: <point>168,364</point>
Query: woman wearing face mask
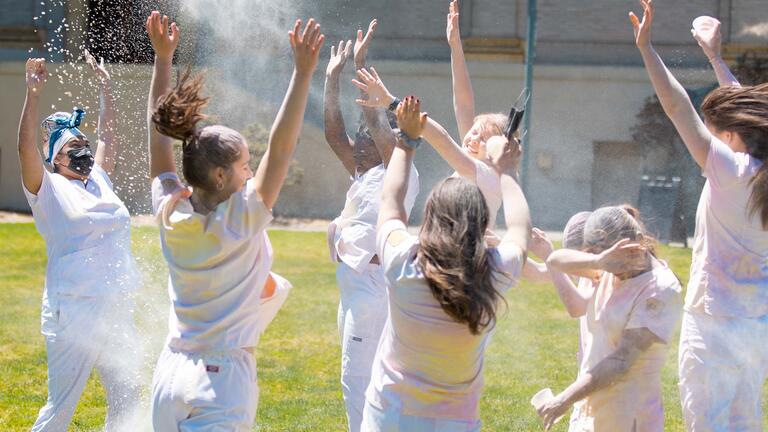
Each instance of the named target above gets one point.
<point>723,357</point>
<point>214,238</point>
<point>86,311</point>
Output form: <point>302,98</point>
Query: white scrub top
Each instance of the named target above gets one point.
<point>729,270</point>
<point>218,265</point>
<point>354,231</point>
<point>427,364</point>
<point>87,233</point>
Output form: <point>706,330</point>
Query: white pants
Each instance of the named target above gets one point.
<point>723,364</point>
<point>83,332</point>
<point>391,420</point>
<point>212,391</point>
<point>362,313</point>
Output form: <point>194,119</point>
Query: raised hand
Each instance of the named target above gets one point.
<point>623,257</point>
<point>339,57</point>
<point>504,155</point>
<point>706,31</point>
<point>164,39</point>
<point>643,28</point>
<point>98,68</point>
<point>373,88</point>
<point>362,43</point>
<point>452,25</point>
<point>306,45</point>
<point>410,119</point>
<point>37,74</point>
<point>540,244</point>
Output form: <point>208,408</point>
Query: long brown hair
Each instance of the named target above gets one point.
<point>453,257</point>
<point>177,116</point>
<point>744,110</point>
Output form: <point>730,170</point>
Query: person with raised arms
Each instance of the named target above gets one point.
<point>723,356</point>
<point>87,307</point>
<point>213,237</point>
<point>352,235</point>
<point>445,291</point>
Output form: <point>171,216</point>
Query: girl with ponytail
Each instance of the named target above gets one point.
<point>722,360</point>
<point>214,239</point>
<point>445,290</point>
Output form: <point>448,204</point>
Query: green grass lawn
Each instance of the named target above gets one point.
<point>298,358</point>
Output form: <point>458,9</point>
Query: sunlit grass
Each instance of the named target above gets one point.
<point>533,347</point>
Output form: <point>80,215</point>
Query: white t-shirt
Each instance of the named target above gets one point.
<point>354,231</point>
<point>652,300</point>
<point>729,270</point>
<point>218,264</point>
<point>87,233</point>
<point>488,181</point>
<point>427,364</point>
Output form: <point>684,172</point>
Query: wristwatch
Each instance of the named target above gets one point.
<point>394,104</point>
<point>412,144</point>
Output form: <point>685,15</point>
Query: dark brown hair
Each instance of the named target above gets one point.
<point>453,257</point>
<point>744,110</point>
<point>177,116</point>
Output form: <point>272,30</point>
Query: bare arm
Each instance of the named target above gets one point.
<point>378,96</point>
<point>107,149</point>
<point>29,156</point>
<point>516,213</point>
<point>707,34</point>
<point>395,188</point>
<point>447,148</point>
<point>381,132</point>
<point>273,167</point>
<point>675,101</point>
<point>574,301</point>
<point>622,257</point>
<point>164,42</point>
<point>633,343</point>
<point>335,129</point>
<point>463,96</point>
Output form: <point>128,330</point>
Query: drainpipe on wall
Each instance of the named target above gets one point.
<point>530,55</point>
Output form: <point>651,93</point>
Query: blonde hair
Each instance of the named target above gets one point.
<point>491,124</point>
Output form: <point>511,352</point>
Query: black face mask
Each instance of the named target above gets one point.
<point>81,160</point>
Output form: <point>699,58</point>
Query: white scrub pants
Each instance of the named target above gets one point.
<point>391,420</point>
<point>362,313</point>
<point>83,332</point>
<point>723,364</point>
<point>210,391</point>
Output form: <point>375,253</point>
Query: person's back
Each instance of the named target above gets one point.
<point>427,361</point>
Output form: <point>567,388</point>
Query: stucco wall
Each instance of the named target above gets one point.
<point>572,108</point>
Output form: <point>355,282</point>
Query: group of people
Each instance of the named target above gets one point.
<point>417,364</point>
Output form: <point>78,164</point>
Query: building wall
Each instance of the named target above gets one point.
<point>588,85</point>
<point>572,108</point>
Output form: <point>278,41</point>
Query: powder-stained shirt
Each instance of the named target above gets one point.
<point>427,364</point>
<point>729,270</point>
<point>353,233</point>
<point>87,233</point>
<point>218,264</point>
<point>652,300</point>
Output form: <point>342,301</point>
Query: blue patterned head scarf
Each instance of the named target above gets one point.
<point>59,128</point>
